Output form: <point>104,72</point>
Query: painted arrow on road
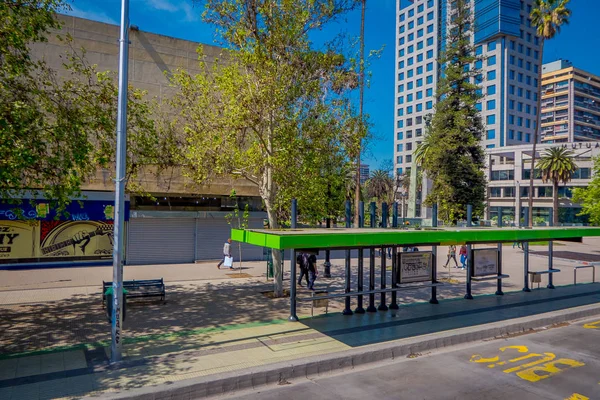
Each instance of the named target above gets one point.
<point>592,325</point>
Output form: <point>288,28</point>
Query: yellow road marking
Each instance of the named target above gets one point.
<point>592,325</point>
<point>577,396</point>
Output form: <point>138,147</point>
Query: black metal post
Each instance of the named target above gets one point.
<point>550,253</point>
<point>384,222</point>
<point>294,220</point>
<point>526,255</point>
<point>469,215</point>
<point>293,317</point>
<point>371,307</point>
<point>434,224</point>
<point>394,303</point>
<point>361,224</point>
<point>347,310</point>
<point>499,291</point>
<point>327,264</point>
<point>469,296</point>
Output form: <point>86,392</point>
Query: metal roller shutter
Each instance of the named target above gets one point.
<point>160,241</point>
<point>212,234</point>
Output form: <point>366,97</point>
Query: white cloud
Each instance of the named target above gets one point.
<point>191,13</point>
<point>163,5</point>
<point>99,16</point>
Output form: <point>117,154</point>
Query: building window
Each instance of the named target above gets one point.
<point>491,46</point>
<point>411,36</point>
<point>429,3</point>
<point>409,109</point>
<point>430,28</point>
<point>419,95</point>
<point>420,19</point>
<point>420,57</point>
<point>545,191</point>
<point>511,60</point>
<point>399,147</point>
<point>401,64</point>
<point>400,112</point>
<point>419,132</point>
<point>410,72</point>
<point>419,107</point>
<point>520,121</point>
<point>420,33</point>
<point>409,97</point>
<point>402,17</point>
<point>491,75</point>
<point>491,119</point>
<point>399,171</point>
<point>520,107</point>
<point>400,88</point>
<point>582,173</point>
<point>520,136</point>
<point>478,106</point>
<point>429,54</point>
<point>509,191</point>
<point>429,105</point>
<point>420,45</point>
<point>520,76</point>
<point>511,104</point>
<point>495,192</point>
<point>419,70</point>
<point>478,64</point>
<point>512,44</point>
<point>411,49</point>
<point>503,175</point>
<point>429,41</point>
<point>401,100</point>
<point>401,29</point>
<point>411,13</point>
<point>430,16</point>
<point>491,105</point>
<point>398,159</point>
<point>401,53</point>
<point>520,92</point>
<point>429,92</point>
<point>429,67</point>
<point>511,89</point>
<point>399,124</point>
<point>511,74</point>
<point>409,86</point>
<point>511,134</point>
<point>528,137</point>
<point>429,79</point>
<point>399,136</point>
<point>491,134</point>
<point>478,50</point>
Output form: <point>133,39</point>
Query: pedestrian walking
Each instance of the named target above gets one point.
<point>312,271</point>
<point>226,255</point>
<point>518,244</point>
<point>451,256</point>
<point>302,261</point>
<point>463,255</point>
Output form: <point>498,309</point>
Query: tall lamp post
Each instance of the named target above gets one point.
<point>119,231</point>
<point>404,196</point>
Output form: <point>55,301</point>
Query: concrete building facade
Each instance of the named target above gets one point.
<point>570,104</point>
<point>181,223</point>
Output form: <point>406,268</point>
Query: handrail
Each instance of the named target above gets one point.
<point>397,288</point>
<point>584,266</point>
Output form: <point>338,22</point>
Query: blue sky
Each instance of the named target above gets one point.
<point>577,42</point>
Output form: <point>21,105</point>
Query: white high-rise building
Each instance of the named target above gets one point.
<point>509,73</point>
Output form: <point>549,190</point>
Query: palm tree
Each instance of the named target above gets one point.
<point>547,16</point>
<point>380,185</point>
<point>556,165</point>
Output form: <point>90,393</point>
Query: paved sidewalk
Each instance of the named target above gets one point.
<point>191,354</point>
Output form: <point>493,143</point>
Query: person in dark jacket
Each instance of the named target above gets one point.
<point>302,261</point>
<point>312,271</point>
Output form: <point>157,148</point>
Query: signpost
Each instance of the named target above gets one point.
<point>485,262</point>
<point>119,231</point>
<point>414,267</point>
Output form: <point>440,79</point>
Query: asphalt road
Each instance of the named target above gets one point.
<point>558,363</point>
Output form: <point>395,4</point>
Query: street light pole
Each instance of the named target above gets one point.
<point>117,314</point>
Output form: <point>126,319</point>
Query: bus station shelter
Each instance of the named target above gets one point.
<point>409,270</point>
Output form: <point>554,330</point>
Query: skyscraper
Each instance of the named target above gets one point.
<point>509,66</point>
<point>570,104</point>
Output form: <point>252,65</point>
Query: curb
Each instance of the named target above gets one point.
<point>262,376</point>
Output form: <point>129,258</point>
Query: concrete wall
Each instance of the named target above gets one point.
<point>152,59</point>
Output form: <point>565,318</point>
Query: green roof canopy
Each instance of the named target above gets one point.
<point>339,238</point>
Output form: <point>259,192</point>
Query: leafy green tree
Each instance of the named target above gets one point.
<point>589,197</point>
<point>454,158</point>
<point>275,108</point>
<point>58,127</point>
<point>556,165</point>
<point>547,16</point>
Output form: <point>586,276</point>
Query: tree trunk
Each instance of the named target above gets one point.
<point>555,203</point>
<point>361,101</point>
<point>538,127</point>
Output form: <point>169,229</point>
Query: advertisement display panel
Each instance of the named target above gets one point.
<point>414,267</point>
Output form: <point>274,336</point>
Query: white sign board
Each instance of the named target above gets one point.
<point>485,262</point>
<point>414,267</point>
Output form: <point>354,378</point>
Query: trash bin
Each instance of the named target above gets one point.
<point>110,302</point>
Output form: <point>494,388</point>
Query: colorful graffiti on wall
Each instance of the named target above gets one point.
<point>39,238</point>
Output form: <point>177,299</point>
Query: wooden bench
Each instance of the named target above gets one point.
<point>141,288</point>
<point>536,276</point>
